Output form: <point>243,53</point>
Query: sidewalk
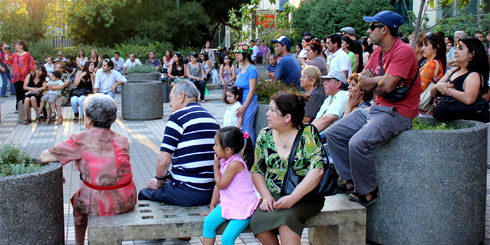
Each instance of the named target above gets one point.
<point>144,138</point>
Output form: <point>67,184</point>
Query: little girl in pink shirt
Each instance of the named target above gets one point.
<point>234,187</point>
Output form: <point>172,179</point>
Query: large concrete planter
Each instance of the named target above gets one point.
<point>260,118</point>
<point>154,76</point>
<point>431,187</point>
<point>142,100</point>
<point>31,207</point>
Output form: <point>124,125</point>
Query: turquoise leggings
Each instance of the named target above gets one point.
<point>232,231</point>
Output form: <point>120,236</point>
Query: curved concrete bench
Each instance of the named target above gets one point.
<point>154,76</point>
<point>341,221</point>
<point>142,100</point>
<point>432,187</point>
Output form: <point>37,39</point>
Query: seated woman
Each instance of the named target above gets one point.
<point>434,50</point>
<point>310,82</point>
<point>34,85</point>
<point>227,72</point>
<point>102,157</point>
<point>285,214</point>
<point>464,86</point>
<point>357,97</point>
<point>176,69</point>
<point>84,82</point>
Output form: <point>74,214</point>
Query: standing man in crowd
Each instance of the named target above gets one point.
<point>351,33</point>
<point>187,146</point>
<point>288,69</point>
<point>352,140</point>
<point>131,62</point>
<point>118,62</point>
<point>152,60</point>
<point>106,79</point>
<point>254,49</point>
<point>339,60</point>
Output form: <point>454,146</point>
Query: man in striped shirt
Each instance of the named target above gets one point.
<point>184,169</point>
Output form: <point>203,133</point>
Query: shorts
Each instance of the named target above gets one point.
<point>49,97</point>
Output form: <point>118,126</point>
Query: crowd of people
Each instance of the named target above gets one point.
<point>351,103</point>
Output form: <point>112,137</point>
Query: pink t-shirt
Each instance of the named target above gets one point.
<point>238,200</point>
<point>399,61</point>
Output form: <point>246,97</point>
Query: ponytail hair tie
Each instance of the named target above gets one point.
<point>246,135</point>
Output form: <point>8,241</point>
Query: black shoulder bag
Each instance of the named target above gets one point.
<point>328,183</point>
<point>400,93</point>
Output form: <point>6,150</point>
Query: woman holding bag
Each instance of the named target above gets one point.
<point>434,50</point>
<point>462,88</point>
<point>286,214</point>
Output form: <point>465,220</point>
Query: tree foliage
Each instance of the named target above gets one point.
<point>324,17</point>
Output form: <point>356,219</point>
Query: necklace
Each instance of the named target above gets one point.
<point>285,142</point>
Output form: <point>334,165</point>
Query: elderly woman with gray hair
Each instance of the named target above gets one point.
<point>102,157</point>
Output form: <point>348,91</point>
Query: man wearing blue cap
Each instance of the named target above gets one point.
<point>288,69</point>
<point>352,140</point>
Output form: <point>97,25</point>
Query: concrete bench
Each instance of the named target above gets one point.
<point>341,221</point>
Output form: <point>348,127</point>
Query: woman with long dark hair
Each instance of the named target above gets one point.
<point>176,70</point>
<point>247,81</point>
<point>22,65</point>
<point>227,72</point>
<point>195,72</point>
<point>81,59</point>
<point>34,84</point>
<point>84,83</point>
<point>465,85</point>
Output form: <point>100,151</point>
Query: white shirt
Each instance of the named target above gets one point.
<point>340,61</point>
<point>49,68</point>
<point>118,64</point>
<point>128,64</point>
<point>230,118</point>
<point>302,53</point>
<point>104,82</point>
<point>334,105</point>
<point>255,50</point>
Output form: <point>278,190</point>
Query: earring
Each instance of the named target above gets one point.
<point>312,84</point>
<point>286,123</point>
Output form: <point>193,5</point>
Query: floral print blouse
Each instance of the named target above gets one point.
<point>268,163</point>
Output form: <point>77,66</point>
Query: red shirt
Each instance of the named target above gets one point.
<point>399,61</point>
<point>21,66</point>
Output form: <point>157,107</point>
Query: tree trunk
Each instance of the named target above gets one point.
<point>418,24</point>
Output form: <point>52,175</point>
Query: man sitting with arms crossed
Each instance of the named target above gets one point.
<point>106,79</point>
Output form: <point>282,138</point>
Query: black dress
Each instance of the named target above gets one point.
<point>32,84</point>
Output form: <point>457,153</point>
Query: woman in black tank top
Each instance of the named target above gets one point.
<point>34,85</point>
<point>176,70</point>
<point>467,83</point>
<point>84,81</point>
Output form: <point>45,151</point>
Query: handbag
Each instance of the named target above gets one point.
<point>400,93</point>
<point>328,183</point>
<point>79,92</point>
<point>425,97</point>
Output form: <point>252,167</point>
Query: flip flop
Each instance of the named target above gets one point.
<point>361,199</point>
<point>26,121</point>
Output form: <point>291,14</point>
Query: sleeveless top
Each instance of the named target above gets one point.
<point>206,67</point>
<point>459,81</point>
<point>175,72</point>
<point>227,74</point>
<point>238,200</point>
<point>34,85</point>
<point>85,84</point>
<point>194,70</point>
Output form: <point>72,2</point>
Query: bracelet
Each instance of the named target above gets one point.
<point>160,178</point>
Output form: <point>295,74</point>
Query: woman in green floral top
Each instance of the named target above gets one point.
<point>285,215</point>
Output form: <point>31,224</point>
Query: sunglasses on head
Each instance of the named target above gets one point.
<point>107,60</point>
<point>374,26</point>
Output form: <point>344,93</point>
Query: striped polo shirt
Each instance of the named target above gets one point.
<point>189,137</point>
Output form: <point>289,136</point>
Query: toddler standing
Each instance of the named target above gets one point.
<point>232,99</point>
<point>234,186</point>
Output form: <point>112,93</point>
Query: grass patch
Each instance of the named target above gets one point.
<point>13,161</point>
<point>417,124</point>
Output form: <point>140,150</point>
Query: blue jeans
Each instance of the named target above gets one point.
<point>110,94</point>
<point>200,85</point>
<point>232,231</point>
<point>5,80</point>
<point>249,117</point>
<point>76,102</point>
<point>177,193</point>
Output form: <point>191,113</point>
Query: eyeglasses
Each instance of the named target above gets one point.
<point>374,26</point>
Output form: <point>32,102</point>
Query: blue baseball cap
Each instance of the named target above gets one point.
<point>283,40</point>
<point>388,18</point>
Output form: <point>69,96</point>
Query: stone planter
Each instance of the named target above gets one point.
<point>154,76</point>
<point>142,100</point>
<point>432,187</point>
<point>32,207</point>
<point>260,118</point>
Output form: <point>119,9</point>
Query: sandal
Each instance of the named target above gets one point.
<point>60,120</point>
<point>26,121</point>
<point>344,189</point>
<point>361,199</point>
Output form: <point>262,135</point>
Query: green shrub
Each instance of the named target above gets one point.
<point>418,124</point>
<point>266,89</point>
<point>13,161</point>
<point>141,69</point>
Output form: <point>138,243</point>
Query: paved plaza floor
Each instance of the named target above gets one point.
<point>144,138</point>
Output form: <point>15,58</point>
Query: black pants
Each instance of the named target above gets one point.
<point>19,92</point>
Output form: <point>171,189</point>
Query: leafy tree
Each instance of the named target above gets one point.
<point>324,17</point>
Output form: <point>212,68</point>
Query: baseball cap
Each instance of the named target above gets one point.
<point>337,75</point>
<point>60,53</point>
<point>307,34</point>
<point>349,30</point>
<point>388,18</point>
<point>283,40</point>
